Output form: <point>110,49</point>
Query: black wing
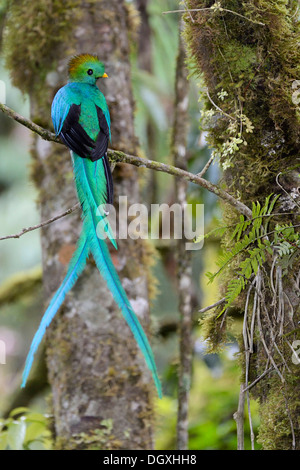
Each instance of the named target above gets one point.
<point>74,136</point>
<point>77,139</point>
<point>109,180</point>
<point>100,151</point>
<point>102,138</point>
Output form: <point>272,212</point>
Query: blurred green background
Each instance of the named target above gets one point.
<point>216,377</point>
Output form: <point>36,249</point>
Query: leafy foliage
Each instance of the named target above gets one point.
<point>213,401</point>
<point>252,238</point>
<point>25,430</point>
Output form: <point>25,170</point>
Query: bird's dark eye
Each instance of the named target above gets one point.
<point>90,72</point>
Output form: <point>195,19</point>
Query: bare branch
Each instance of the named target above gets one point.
<point>267,371</point>
<point>44,133</point>
<point>119,156</point>
<point>42,224</point>
<point>239,417</point>
<point>210,307</point>
<point>207,165</point>
<point>116,155</point>
<point>190,14</point>
<point>285,191</point>
<point>218,108</point>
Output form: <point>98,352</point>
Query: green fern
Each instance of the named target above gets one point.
<point>251,237</point>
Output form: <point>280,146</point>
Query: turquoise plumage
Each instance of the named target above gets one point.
<point>81,118</point>
<point>76,267</point>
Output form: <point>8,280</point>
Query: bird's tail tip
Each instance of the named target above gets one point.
<point>23,384</point>
<point>158,386</point>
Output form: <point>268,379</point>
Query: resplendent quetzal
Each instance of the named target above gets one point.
<point>81,118</point>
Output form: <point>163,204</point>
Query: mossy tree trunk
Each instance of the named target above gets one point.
<point>249,56</point>
<point>100,384</point>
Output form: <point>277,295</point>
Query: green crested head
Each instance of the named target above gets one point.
<point>86,68</point>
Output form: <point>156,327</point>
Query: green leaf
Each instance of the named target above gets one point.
<point>254,263</point>
<point>16,434</point>
<point>35,431</point>
<point>18,411</point>
<point>34,417</point>
<point>248,270</point>
<point>3,440</point>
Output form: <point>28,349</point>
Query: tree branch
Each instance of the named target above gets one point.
<point>44,133</point>
<point>118,156</point>
<point>121,157</point>
<point>42,224</point>
<point>210,307</point>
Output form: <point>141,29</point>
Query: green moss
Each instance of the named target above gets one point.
<point>256,65</point>
<point>19,285</point>
<point>100,439</point>
<point>45,25</point>
<point>280,414</point>
<point>3,13</point>
<point>213,330</point>
<point>241,57</point>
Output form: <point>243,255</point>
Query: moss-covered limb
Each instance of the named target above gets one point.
<point>253,125</point>
<point>19,285</point>
<point>119,156</point>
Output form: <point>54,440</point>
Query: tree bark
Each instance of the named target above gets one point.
<point>101,387</point>
<point>182,256</point>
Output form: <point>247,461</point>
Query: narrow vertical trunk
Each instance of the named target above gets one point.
<point>183,257</point>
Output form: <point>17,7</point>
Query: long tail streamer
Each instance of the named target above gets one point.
<point>92,193</point>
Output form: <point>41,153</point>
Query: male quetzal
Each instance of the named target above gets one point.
<point>81,118</point>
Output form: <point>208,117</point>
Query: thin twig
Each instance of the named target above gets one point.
<point>210,307</point>
<point>206,167</point>
<point>288,412</point>
<point>213,10</point>
<point>218,107</point>
<point>248,346</point>
<point>190,14</point>
<point>283,189</point>
<point>246,336</point>
<point>239,419</point>
<point>267,371</point>
<point>119,156</point>
<point>260,329</point>
<point>42,224</point>
<point>293,16</point>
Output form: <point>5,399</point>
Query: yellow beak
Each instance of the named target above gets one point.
<point>105,75</point>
